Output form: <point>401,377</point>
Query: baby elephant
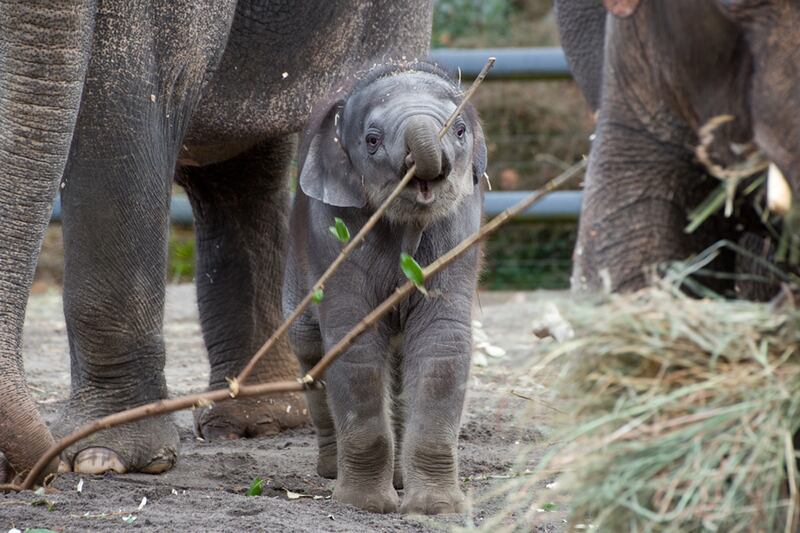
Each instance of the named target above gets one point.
<point>391,411</point>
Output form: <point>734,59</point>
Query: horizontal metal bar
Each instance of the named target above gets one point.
<point>560,206</point>
<point>512,63</point>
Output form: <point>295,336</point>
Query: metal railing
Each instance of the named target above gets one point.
<point>512,64</point>
<point>561,206</point>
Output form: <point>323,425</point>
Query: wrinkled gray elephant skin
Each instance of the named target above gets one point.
<point>656,72</point>
<point>109,101</point>
<point>394,399</point>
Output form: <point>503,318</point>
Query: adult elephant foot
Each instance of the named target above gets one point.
<point>9,475</point>
<point>381,499</point>
<point>24,436</point>
<point>251,417</point>
<point>432,501</point>
<point>149,446</point>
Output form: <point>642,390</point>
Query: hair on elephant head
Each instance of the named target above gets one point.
<point>361,143</point>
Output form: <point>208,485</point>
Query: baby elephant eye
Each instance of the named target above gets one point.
<point>373,140</point>
<point>461,129</point>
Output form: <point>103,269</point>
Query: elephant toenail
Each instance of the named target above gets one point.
<point>63,467</point>
<point>441,508</point>
<point>98,461</point>
<point>159,465</point>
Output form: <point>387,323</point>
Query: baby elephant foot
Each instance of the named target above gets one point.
<point>370,498</point>
<point>432,500</point>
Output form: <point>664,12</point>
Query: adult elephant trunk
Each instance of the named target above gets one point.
<point>581,27</point>
<point>422,139</point>
<point>42,69</point>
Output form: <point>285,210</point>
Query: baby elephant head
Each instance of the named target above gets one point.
<point>360,146</point>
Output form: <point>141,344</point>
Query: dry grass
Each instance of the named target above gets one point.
<point>681,417</point>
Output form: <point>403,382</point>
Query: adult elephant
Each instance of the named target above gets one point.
<point>108,101</point>
<point>656,72</point>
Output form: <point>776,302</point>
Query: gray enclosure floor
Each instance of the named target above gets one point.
<point>205,491</point>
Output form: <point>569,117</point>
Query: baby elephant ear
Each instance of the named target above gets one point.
<point>326,172</point>
<point>621,8</point>
<point>479,155</point>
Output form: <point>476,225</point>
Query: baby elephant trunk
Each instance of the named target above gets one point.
<point>425,150</point>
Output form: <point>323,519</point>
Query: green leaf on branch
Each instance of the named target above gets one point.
<point>318,295</point>
<point>256,487</point>
<point>413,272</point>
<point>44,503</point>
<point>339,230</point>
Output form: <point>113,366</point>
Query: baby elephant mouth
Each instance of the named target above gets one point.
<point>426,189</point>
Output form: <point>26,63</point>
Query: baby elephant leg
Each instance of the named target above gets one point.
<point>307,344</point>
<point>326,432</point>
<point>434,389</point>
<point>357,395</point>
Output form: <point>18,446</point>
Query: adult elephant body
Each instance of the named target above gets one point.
<point>109,101</point>
<point>656,72</point>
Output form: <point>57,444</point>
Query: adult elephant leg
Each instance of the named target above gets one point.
<point>144,79</point>
<point>638,192</point>
<point>43,58</point>
<point>241,216</point>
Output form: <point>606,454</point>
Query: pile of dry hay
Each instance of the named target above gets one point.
<point>681,416</point>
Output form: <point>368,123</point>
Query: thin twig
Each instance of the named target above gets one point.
<point>535,400</point>
<point>756,161</point>
<point>355,241</point>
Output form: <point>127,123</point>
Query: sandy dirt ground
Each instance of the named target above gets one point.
<point>206,489</point>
